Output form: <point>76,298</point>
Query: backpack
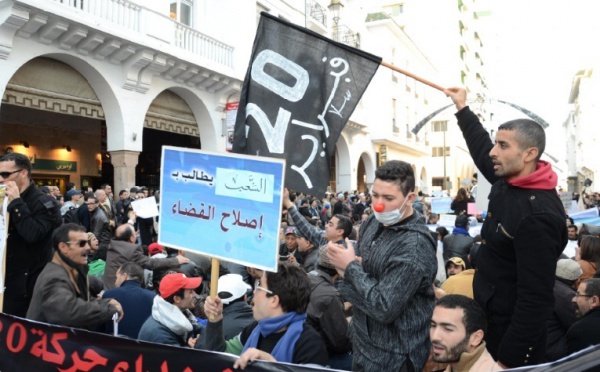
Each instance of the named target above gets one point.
<point>71,216</point>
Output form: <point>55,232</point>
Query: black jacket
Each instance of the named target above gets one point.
<point>585,332</point>
<point>325,313</point>
<point>458,245</point>
<point>562,319</point>
<point>523,234</point>
<point>33,218</point>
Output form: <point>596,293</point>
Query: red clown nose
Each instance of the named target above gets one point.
<point>378,207</point>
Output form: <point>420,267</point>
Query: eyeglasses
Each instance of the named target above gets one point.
<point>577,294</point>
<point>6,174</point>
<point>257,286</point>
<point>80,243</point>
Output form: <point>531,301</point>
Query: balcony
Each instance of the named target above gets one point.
<point>316,17</point>
<point>344,34</point>
<point>145,43</point>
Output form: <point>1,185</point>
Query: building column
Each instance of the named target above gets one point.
<point>124,162</point>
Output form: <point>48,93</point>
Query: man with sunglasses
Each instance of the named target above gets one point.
<point>33,217</point>
<point>61,294</point>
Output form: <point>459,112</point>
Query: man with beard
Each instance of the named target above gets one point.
<point>523,235</point>
<point>457,328</point>
<point>586,331</point>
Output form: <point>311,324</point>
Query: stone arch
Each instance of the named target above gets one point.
<point>343,165</point>
<point>423,181</point>
<point>369,169</point>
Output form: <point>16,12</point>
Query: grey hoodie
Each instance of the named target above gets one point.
<point>392,293</point>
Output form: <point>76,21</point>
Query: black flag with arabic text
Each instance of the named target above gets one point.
<point>299,91</point>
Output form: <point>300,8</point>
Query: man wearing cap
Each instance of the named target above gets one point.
<point>135,300</point>
<point>461,280</point>
<point>288,251</point>
<point>454,265</point>
<point>459,243</point>
<point>124,249</point>
<point>280,332</point>
<point>237,314</point>
<point>523,234</point>
<point>563,316</point>
<point>309,254</point>
<point>71,201</point>
<point>172,322</point>
<point>326,312</point>
<point>341,206</point>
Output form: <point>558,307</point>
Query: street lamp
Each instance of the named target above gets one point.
<point>336,7</point>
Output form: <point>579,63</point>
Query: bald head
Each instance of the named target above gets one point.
<point>126,233</point>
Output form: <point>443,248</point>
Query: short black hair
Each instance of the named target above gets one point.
<point>442,231</point>
<point>61,234</point>
<point>122,192</point>
<point>344,223</point>
<point>171,298</point>
<point>474,317</point>
<point>399,172</point>
<point>572,227</point>
<point>21,161</point>
<point>133,271</point>
<point>528,134</point>
<point>291,284</point>
<point>89,195</point>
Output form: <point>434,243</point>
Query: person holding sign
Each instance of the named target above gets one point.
<point>523,234</point>
<point>280,332</point>
<point>33,217</point>
<point>389,276</point>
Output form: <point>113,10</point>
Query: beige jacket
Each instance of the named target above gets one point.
<point>477,361</point>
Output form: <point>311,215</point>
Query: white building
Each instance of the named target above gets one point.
<point>92,88</point>
<point>581,132</point>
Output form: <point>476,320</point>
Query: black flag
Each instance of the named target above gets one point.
<point>299,91</point>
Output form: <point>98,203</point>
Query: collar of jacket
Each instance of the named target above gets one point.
<point>467,360</point>
<point>73,274</point>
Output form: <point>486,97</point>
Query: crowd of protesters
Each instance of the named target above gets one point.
<point>366,280</point>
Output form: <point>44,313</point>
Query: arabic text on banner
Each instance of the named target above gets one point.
<point>223,205</point>
<point>299,91</point>
<point>41,347</point>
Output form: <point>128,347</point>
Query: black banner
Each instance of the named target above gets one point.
<point>299,91</point>
<point>40,347</point>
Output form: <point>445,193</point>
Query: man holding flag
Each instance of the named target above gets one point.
<point>523,234</point>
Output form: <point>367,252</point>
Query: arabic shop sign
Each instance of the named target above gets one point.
<point>55,165</point>
<point>223,205</point>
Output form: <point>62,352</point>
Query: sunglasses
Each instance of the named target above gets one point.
<point>7,174</point>
<point>80,243</point>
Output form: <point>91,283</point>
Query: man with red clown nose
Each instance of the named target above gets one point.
<point>388,277</point>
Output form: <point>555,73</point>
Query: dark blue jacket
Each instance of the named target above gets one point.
<point>137,307</point>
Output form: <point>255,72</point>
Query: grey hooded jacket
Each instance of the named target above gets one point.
<point>392,293</point>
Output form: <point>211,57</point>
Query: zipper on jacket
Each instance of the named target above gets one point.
<point>503,231</point>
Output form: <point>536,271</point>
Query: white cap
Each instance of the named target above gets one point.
<point>232,287</point>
